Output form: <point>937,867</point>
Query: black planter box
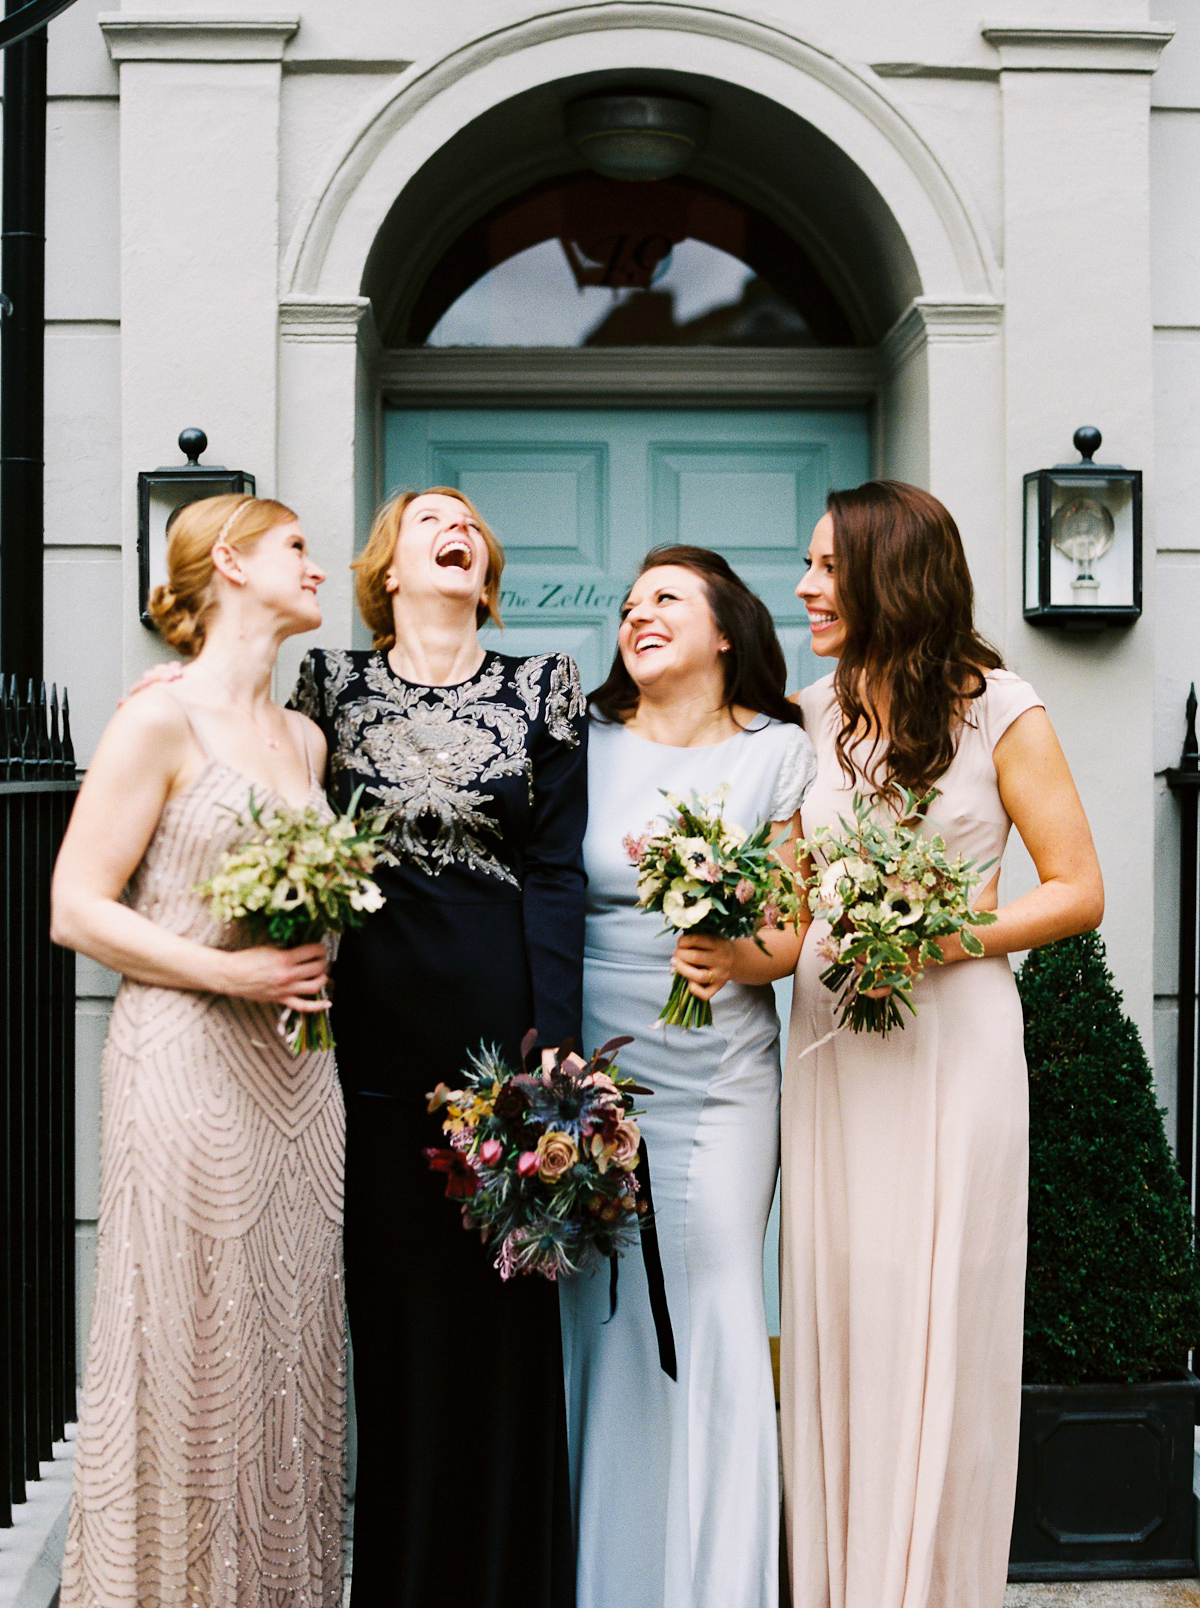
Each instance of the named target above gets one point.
<point>1104,1482</point>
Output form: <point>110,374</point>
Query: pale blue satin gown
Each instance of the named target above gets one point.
<point>675,1483</point>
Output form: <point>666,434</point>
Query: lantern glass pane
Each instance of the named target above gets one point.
<point>1031,542</point>
<point>1091,542</point>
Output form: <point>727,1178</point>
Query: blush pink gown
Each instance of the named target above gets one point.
<point>905,1164</point>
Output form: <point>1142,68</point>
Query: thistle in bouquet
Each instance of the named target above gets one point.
<point>890,893</point>
<point>708,875</point>
<point>544,1162</point>
<point>296,878</point>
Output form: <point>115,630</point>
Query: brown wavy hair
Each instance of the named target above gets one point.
<point>755,668</point>
<point>372,564</point>
<point>912,661</point>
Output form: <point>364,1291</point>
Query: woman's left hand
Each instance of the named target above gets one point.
<point>706,962</point>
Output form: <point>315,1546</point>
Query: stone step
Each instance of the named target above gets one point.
<point>1106,1594</point>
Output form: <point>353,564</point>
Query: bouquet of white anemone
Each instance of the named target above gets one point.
<point>296,878</point>
<point>888,892</point>
<point>706,874</point>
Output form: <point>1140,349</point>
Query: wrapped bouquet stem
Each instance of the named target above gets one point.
<point>889,892</point>
<point>708,875</point>
<point>297,878</point>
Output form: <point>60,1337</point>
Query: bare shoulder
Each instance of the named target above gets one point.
<point>310,736</point>
<point>154,719</point>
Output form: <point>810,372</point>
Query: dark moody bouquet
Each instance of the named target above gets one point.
<point>544,1161</point>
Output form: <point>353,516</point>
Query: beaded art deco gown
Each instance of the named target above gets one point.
<point>462,1489</point>
<point>210,1459</point>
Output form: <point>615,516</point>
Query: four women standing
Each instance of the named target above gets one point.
<point>903,1158</point>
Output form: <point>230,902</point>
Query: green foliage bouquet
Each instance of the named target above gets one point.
<point>296,878</point>
<point>706,874</point>
<point>888,892</point>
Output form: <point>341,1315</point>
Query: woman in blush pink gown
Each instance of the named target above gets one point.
<point>905,1157</point>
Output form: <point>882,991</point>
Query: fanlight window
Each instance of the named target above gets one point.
<point>587,261</point>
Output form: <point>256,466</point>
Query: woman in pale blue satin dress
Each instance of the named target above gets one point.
<point>674,1480</point>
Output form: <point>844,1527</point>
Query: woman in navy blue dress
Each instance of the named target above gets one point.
<point>462,1493</point>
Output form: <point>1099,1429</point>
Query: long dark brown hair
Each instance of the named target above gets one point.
<point>755,669</point>
<point>912,652</point>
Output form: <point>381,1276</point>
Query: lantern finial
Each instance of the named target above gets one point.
<point>1087,441</point>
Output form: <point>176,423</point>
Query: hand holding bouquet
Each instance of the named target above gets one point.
<point>544,1162</point>
<point>296,878</point>
<point>889,893</point>
<point>706,875</point>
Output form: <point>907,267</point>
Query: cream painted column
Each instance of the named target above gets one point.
<point>328,429</point>
<point>1077,343</point>
<point>944,427</point>
<point>199,253</point>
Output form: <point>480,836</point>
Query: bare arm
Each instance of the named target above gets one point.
<point>709,963</point>
<point>1039,794</point>
<point>145,756</point>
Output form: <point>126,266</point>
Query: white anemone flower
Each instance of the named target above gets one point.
<point>681,906</point>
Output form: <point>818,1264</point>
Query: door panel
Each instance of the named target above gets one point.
<point>578,496</point>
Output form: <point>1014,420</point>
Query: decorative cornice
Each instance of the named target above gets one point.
<point>1030,48</point>
<point>196,36</point>
<point>925,322</point>
<point>338,323</point>
<point>935,69</point>
<point>861,90</point>
<point>629,377</point>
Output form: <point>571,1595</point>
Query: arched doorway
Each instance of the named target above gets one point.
<point>708,338</point>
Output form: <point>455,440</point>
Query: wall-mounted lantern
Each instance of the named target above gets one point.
<point>1083,541</point>
<point>162,492</point>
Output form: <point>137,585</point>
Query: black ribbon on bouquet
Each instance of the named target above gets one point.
<point>654,1273</point>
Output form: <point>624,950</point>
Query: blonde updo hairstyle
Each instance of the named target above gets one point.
<point>181,609</point>
<point>372,565</point>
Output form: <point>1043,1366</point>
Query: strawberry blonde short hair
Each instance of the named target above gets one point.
<point>372,564</point>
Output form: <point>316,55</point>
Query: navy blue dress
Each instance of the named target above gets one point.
<point>462,1491</point>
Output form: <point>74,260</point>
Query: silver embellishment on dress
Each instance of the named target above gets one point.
<point>564,701</point>
<point>431,748</point>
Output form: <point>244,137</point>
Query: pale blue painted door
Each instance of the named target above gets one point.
<point>577,497</point>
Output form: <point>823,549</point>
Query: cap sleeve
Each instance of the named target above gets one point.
<point>1006,698</point>
<point>796,775</point>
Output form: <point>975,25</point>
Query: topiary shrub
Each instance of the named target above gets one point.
<point>1113,1286</point>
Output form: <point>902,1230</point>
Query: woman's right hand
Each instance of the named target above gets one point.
<point>291,977</point>
<point>169,670</point>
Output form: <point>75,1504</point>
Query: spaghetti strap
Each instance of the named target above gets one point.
<point>193,728</point>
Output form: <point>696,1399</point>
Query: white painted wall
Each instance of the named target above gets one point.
<point>212,197</point>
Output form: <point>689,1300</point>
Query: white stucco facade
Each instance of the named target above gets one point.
<point>1023,251</point>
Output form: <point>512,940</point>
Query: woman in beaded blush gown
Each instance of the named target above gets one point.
<point>674,1467</point>
<point>479,760</point>
<point>209,1467</point>
<point>905,1158</point>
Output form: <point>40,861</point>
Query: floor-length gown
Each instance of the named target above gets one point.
<point>462,1495</point>
<point>675,1482</point>
<point>903,1245</point>
<point>210,1461</point>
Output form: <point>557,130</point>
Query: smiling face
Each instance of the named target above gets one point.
<point>440,552</point>
<point>818,592</point>
<point>667,627</point>
<point>281,575</point>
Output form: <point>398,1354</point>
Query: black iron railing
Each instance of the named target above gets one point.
<point>37,1093</point>
<point>1184,782</point>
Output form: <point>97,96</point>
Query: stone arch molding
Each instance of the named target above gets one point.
<point>430,102</point>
